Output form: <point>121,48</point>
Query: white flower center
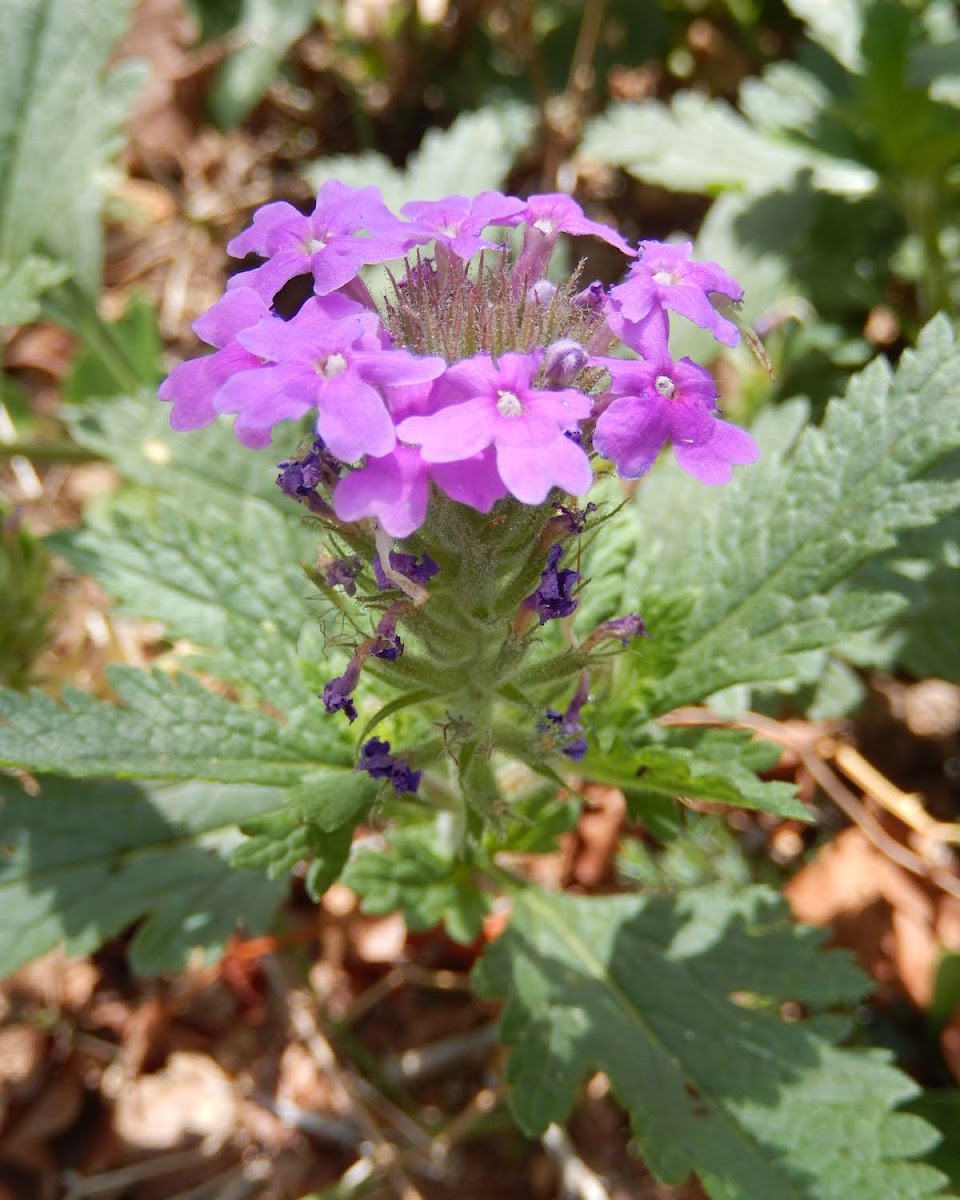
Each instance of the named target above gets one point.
<point>664,278</point>
<point>665,386</point>
<point>544,224</point>
<point>314,245</point>
<point>333,366</point>
<point>508,405</point>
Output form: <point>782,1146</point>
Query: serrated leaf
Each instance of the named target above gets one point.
<point>415,876</point>
<point>163,727</point>
<point>836,25</point>
<point>771,561</point>
<point>472,156</point>
<point>128,350</point>
<point>676,1000</point>
<point>85,860</point>
<point>263,35</point>
<point>202,467</point>
<point>701,145</point>
<point>22,283</point>
<point>58,121</point>
<point>718,765</point>
<point>277,842</point>
<point>229,582</point>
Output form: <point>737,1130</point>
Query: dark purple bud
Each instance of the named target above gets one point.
<point>562,362</point>
<point>626,628</point>
<point>337,695</point>
<point>621,629</point>
<point>343,572</point>
<point>300,477</point>
<point>386,643</point>
<point>576,749</point>
<point>379,763</point>
<point>417,571</point>
<point>566,726</point>
<point>554,597</point>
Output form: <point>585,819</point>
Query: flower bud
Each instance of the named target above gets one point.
<point>563,362</point>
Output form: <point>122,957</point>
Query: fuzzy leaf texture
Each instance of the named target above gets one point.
<point>700,145</point>
<point>716,765</point>
<point>59,116</point>
<point>770,562</point>
<point>263,36</point>
<point>85,860</point>
<point>207,467</point>
<point>676,1000</point>
<point>229,583</point>
<point>164,727</point>
<point>416,878</point>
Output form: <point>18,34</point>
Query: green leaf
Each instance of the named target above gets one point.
<point>22,283</point>
<point>472,156</point>
<point>836,25</point>
<point>263,35</point>
<point>770,564</point>
<point>415,876</point>
<point>229,583</point>
<point>59,118</point>
<point>85,860</point>
<point>701,145</point>
<point>925,566</point>
<point>24,606</point>
<point>276,843</point>
<point>199,468</point>
<point>133,339</point>
<point>719,765</point>
<point>164,728</point>
<point>676,1000</point>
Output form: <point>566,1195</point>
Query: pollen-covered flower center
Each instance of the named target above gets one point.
<point>545,225</point>
<point>508,405</point>
<point>331,366</point>
<point>664,278</point>
<point>665,386</point>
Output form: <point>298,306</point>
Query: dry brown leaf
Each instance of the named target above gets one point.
<point>23,1061</point>
<point>598,833</point>
<point>192,1097</point>
<point>876,909</point>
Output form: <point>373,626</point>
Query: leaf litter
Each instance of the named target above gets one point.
<point>345,1049</point>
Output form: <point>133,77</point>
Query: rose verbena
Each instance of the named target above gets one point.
<point>466,416</point>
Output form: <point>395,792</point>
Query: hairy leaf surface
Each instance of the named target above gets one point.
<point>85,860</point>
<point>164,727</point>
<point>770,565</point>
<point>58,122</point>
<point>676,1000</point>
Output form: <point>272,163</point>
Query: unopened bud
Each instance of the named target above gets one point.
<point>563,362</point>
<point>542,293</point>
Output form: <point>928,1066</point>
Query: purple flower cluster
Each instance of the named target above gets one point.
<point>506,387</point>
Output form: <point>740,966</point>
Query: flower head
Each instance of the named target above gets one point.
<point>325,244</point>
<point>457,222</point>
<point>320,360</point>
<point>659,400</point>
<point>494,404</point>
<point>664,277</point>
<point>193,384</point>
